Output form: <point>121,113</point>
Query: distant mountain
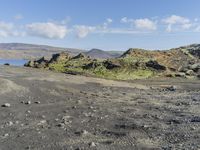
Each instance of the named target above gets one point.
<point>32,51</point>
<point>22,46</point>
<point>100,54</point>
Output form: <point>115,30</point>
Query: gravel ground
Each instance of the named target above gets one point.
<point>45,110</point>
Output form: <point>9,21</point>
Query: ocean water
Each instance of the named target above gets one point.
<point>13,62</point>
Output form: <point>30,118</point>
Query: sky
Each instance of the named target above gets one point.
<point>103,24</point>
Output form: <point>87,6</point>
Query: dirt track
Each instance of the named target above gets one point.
<point>57,111</point>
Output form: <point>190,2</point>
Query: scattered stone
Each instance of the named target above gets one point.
<point>6,105</point>
<point>61,125</point>
<point>28,147</point>
<point>195,119</point>
<point>84,132</point>
<point>43,121</point>
<point>92,144</point>
<point>6,135</point>
<point>65,120</point>
<point>79,102</point>
<point>43,116</point>
<point>74,107</point>
<point>37,102</point>
<point>28,103</point>
<point>171,88</point>
<point>9,123</point>
<point>56,119</point>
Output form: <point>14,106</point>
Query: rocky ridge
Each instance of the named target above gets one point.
<point>133,64</point>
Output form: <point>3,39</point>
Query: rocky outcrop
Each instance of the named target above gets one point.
<point>179,62</point>
<point>155,65</point>
<point>92,65</point>
<point>81,56</point>
<point>111,64</point>
<point>60,57</point>
<point>40,63</point>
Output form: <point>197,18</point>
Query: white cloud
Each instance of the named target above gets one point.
<point>175,22</point>
<point>8,29</point>
<point>124,20</point>
<point>18,17</point>
<point>174,19</point>
<point>6,26</point>
<point>141,24</point>
<point>187,26</point>
<point>82,30</point>
<point>47,30</point>
<point>109,20</point>
<point>197,29</point>
<point>145,24</point>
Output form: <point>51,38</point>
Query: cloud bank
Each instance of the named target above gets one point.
<point>61,29</point>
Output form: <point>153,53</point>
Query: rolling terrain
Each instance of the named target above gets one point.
<point>132,64</point>
<point>33,51</point>
<point>46,110</point>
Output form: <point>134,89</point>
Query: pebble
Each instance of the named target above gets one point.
<point>9,123</point>
<point>61,125</point>
<point>171,88</point>
<point>43,116</point>
<point>85,132</point>
<point>92,144</point>
<point>6,105</point>
<point>37,102</point>
<point>6,135</point>
<point>28,103</point>
<point>43,121</point>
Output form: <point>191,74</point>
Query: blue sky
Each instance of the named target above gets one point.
<point>104,24</point>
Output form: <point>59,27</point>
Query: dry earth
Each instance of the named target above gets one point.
<point>58,111</point>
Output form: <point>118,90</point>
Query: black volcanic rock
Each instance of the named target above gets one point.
<point>40,63</point>
<point>111,64</point>
<point>60,57</point>
<point>155,65</point>
<point>80,56</point>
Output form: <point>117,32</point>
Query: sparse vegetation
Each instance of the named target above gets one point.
<point>133,64</point>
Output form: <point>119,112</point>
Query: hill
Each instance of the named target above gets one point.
<point>31,51</point>
<point>100,54</point>
<point>133,64</point>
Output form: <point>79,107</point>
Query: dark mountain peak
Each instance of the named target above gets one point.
<point>101,54</point>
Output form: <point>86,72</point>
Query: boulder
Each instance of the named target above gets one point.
<point>195,67</point>
<point>92,65</point>
<point>180,74</point>
<point>190,73</point>
<point>80,56</point>
<point>60,57</point>
<point>171,88</point>
<point>30,63</point>
<point>40,63</point>
<point>155,65</point>
<point>109,64</point>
